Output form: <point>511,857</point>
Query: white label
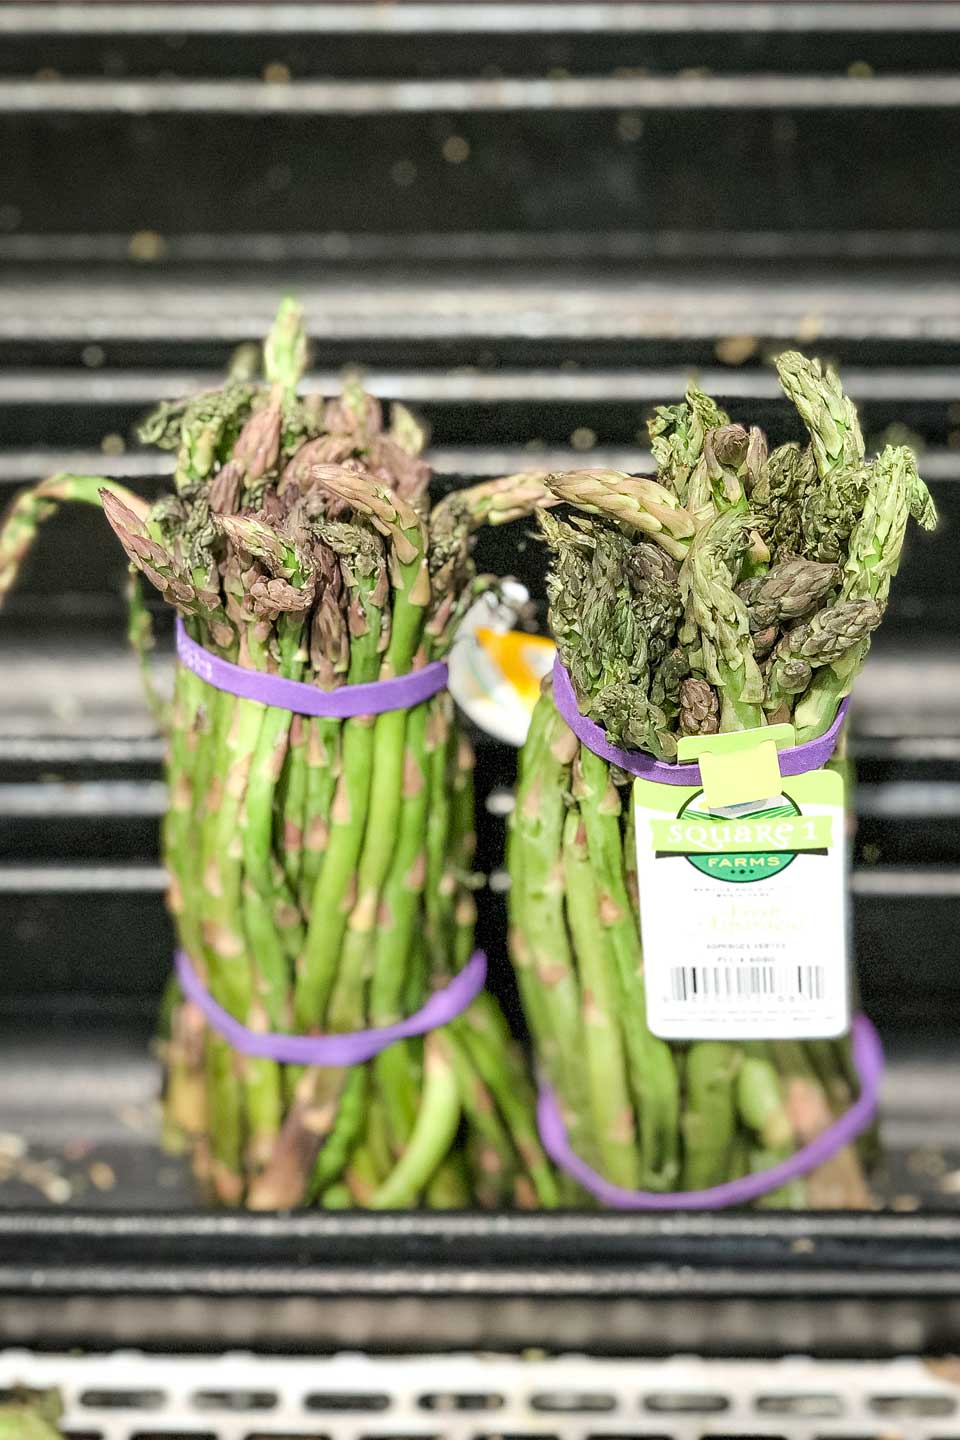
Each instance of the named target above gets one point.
<point>743,912</point>
<point>495,670</point>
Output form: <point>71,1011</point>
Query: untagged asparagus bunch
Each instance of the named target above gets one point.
<point>739,588</point>
<point>320,871</point>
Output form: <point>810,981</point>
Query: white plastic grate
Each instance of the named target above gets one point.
<point>131,1396</point>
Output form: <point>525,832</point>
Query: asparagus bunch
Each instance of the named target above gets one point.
<point>320,871</point>
<point>739,588</point>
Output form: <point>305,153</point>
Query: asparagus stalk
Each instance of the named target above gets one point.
<point>539,942</point>
<point>611,1113</point>
<point>652,1072</point>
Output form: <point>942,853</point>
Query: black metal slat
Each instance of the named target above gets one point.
<point>781,168</point>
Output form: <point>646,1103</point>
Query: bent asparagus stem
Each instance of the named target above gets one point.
<point>433,1131</point>
<point>32,507</point>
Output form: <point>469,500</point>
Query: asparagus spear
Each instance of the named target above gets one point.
<point>411,591</point>
<point>611,1112</point>
<point>709,1116</point>
<point>895,491</point>
<point>641,506</point>
<point>677,434</point>
<point>653,1077</point>
<point>788,591</point>
<point>825,410</point>
<point>539,943</point>
<point>699,707</point>
<point>716,626</point>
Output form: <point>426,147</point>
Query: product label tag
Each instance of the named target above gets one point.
<point>743,911</point>
<point>496,669</point>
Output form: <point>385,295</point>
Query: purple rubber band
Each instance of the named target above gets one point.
<point>868,1059</point>
<point>335,1050</point>
<point>400,693</point>
<point>794,760</point>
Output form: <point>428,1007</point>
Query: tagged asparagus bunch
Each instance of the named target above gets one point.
<point>739,588</point>
<point>320,870</point>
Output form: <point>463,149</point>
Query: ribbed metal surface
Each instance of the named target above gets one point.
<point>464,97</point>
<point>481,18</point>
<point>866,307</point>
<point>129,1396</point>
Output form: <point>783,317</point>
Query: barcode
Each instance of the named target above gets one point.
<point>747,982</point>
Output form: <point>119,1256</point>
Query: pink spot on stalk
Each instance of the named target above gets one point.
<point>524,1195</point>
<point>181,794</point>
<point>531,806</point>
<point>227,1184</point>
<point>623,1129</point>
<point>807,1107</point>
<point>318,1119</point>
<point>592,1013</point>
<point>490,1162</point>
<point>556,882</point>
<point>174,896</point>
<point>552,972</point>
<point>608,909</point>
<point>519,948</point>
<point>564,748</point>
<point>340,809</point>
<point>416,876</point>
<point>237,777</point>
<point>274,766</point>
<point>223,941</point>
<point>364,915</point>
<point>413,781</point>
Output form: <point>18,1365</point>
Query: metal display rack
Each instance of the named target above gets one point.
<point>529,221</point>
